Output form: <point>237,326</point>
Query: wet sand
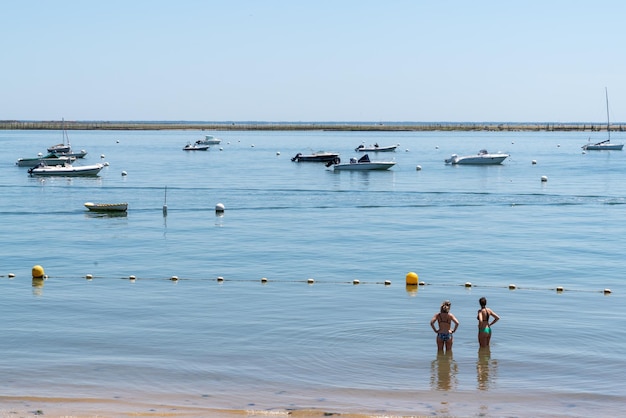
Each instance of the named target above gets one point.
<point>418,404</point>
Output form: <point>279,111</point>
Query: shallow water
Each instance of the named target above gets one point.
<point>329,345</point>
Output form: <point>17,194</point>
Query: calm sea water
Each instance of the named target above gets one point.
<point>153,345</point>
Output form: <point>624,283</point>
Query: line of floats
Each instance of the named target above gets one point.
<point>412,281</point>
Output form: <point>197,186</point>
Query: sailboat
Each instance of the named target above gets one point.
<point>606,144</point>
<point>65,148</point>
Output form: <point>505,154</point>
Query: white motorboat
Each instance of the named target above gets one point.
<point>106,207</point>
<point>67,170</point>
<point>482,158</point>
<point>208,140</point>
<point>50,159</point>
<point>362,164</point>
<point>376,148</point>
<point>195,147</point>
<point>606,144</point>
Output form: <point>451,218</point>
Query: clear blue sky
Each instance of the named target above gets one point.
<point>327,60</point>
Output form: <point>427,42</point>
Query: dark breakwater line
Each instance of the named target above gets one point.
<point>304,126</point>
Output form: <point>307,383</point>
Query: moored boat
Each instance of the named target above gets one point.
<point>49,159</point>
<point>195,147</point>
<point>362,164</point>
<point>605,145</point>
<point>317,157</point>
<point>106,207</point>
<point>209,140</point>
<point>482,158</point>
<point>66,170</point>
<point>376,148</point>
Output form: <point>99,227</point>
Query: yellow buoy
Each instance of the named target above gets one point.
<point>411,279</point>
<point>38,272</point>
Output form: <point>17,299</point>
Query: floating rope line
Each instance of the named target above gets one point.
<point>310,281</point>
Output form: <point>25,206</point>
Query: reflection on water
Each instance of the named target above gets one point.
<point>486,368</point>
<point>444,372</point>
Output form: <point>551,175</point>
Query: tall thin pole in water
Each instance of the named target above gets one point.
<point>165,203</point>
<point>608,123</point>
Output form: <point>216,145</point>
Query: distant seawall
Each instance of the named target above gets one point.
<point>305,126</point>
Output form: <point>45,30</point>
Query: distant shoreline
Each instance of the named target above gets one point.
<point>305,126</point>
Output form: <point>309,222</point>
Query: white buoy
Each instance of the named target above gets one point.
<point>102,156</point>
<point>131,277</point>
<point>387,282</point>
<point>418,168</point>
<point>355,281</point>
<point>310,281</point>
<point>174,278</point>
<point>220,279</point>
<point>124,173</point>
<point>11,275</point>
<point>117,142</point>
<point>559,288</point>
<point>512,287</point>
<point>89,277</point>
<point>219,208</point>
<point>106,164</point>
<point>544,179</point>
<point>606,291</point>
<point>468,284</point>
<point>263,279</point>
<point>533,162</point>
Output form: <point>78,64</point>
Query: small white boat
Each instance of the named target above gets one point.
<point>106,207</point>
<point>317,157</point>
<point>362,164</point>
<point>195,147</point>
<point>50,159</point>
<point>67,170</point>
<point>208,140</point>
<point>606,144</point>
<point>482,158</point>
<point>376,148</point>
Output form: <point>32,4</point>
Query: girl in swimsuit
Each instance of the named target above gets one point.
<point>484,326</point>
<point>444,334</point>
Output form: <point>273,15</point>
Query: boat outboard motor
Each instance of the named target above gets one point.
<point>298,155</point>
<point>335,160</point>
